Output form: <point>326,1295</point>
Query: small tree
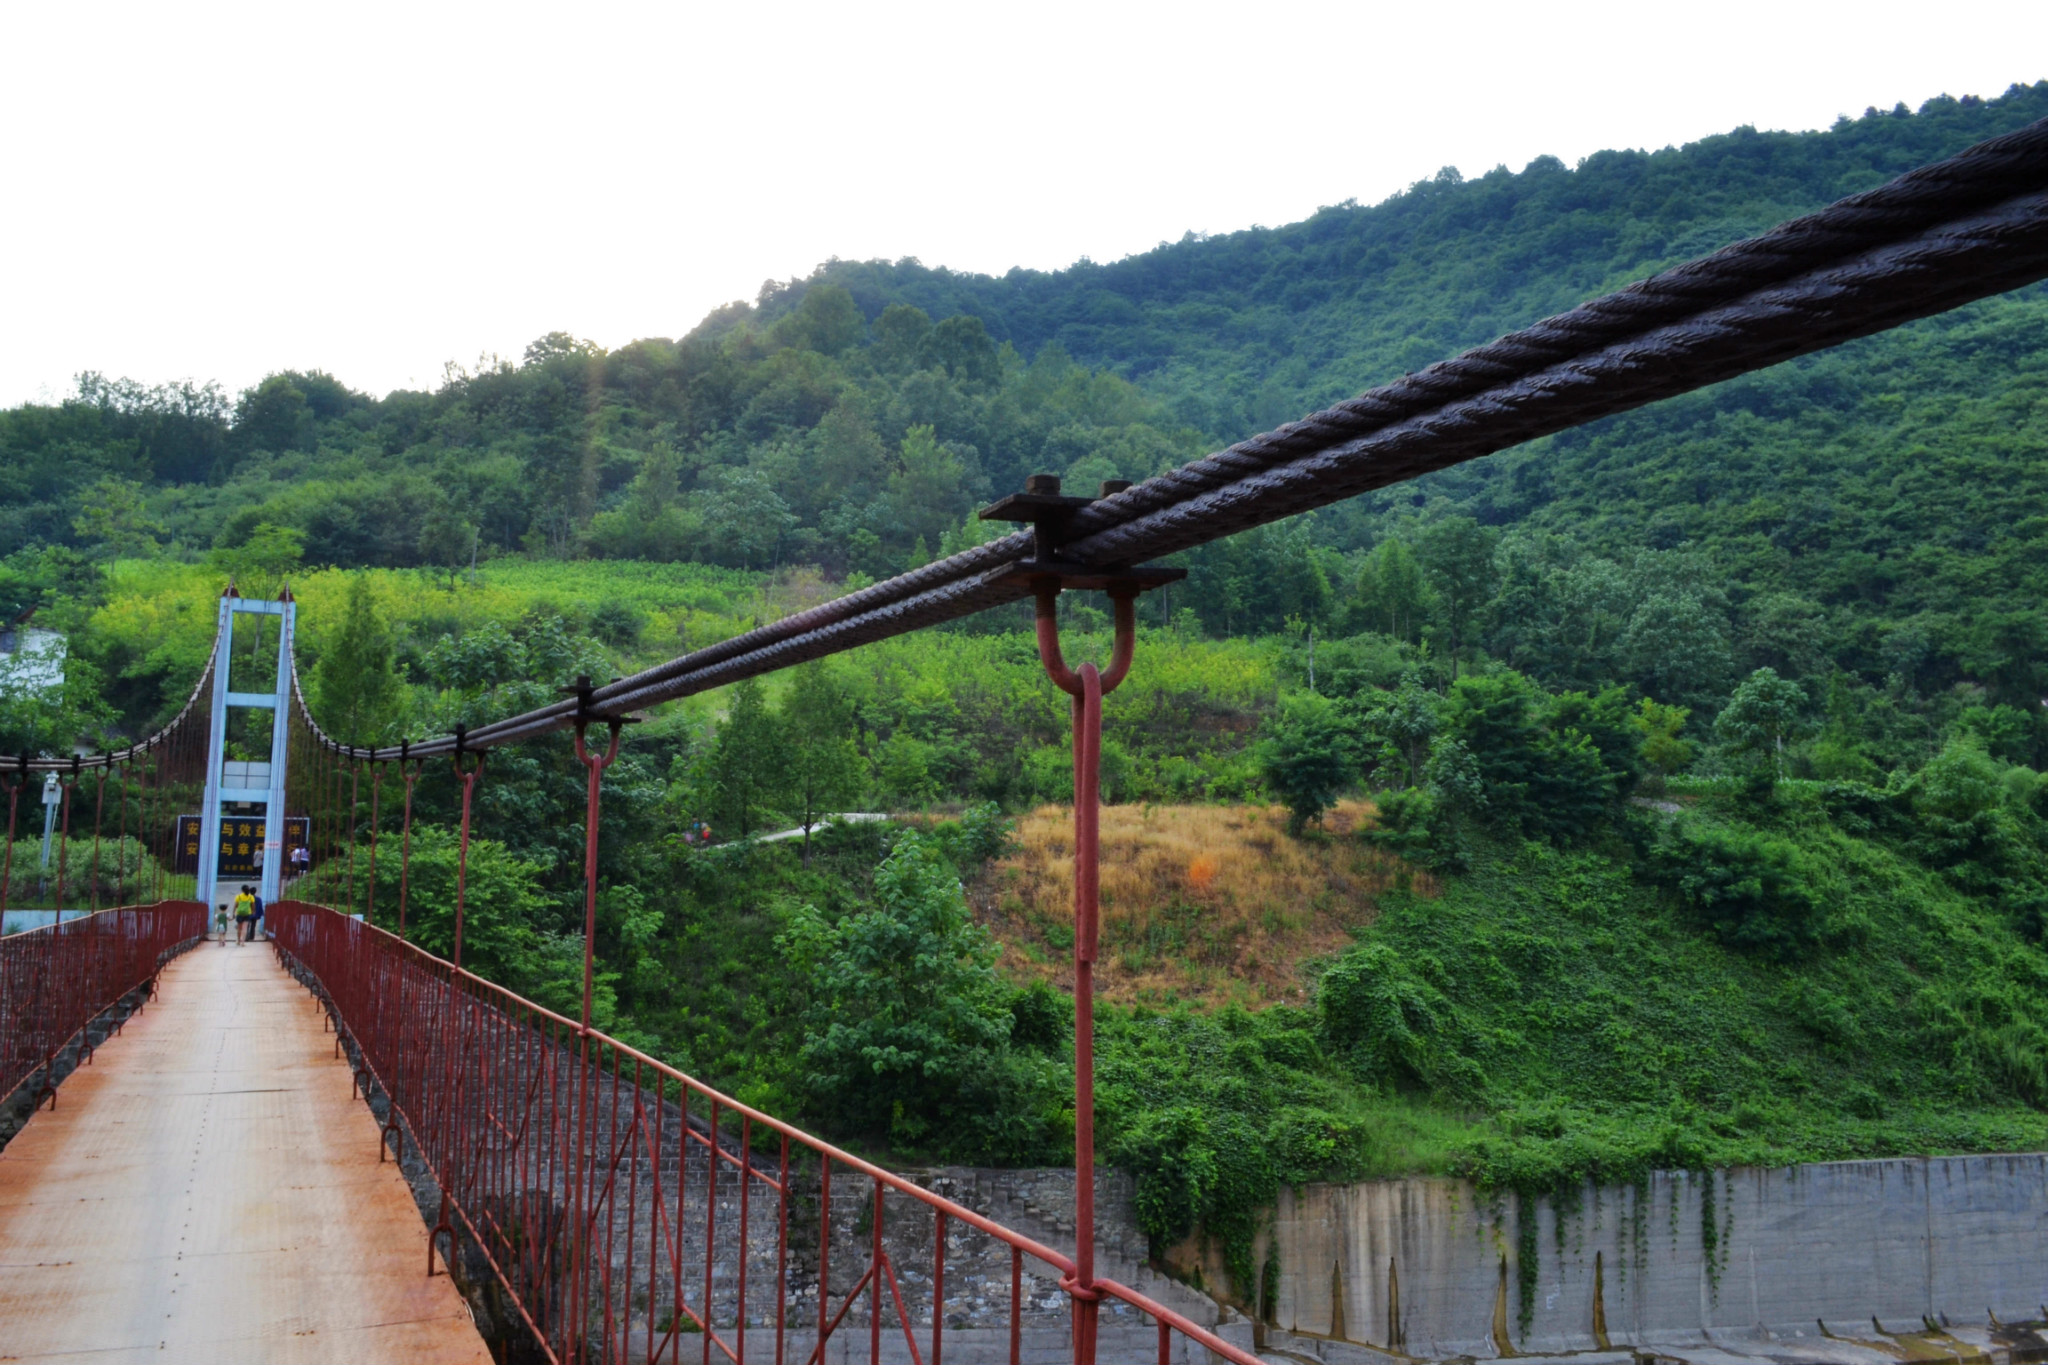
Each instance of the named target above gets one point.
<point>749,763</point>
<point>1662,741</point>
<point>1393,597</point>
<point>356,687</point>
<point>1456,555</point>
<point>446,539</point>
<point>1305,757</point>
<point>617,624</point>
<point>1396,729</point>
<point>818,727</point>
<point>1764,713</point>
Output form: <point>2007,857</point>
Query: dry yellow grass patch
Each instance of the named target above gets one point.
<point>1199,903</point>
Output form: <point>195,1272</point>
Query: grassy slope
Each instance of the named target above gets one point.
<point>1205,905</point>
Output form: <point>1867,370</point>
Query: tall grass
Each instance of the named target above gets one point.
<point>1203,904</point>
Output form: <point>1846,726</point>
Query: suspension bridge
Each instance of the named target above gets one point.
<point>336,1146</point>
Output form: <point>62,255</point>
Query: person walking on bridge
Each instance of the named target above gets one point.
<point>245,909</point>
<point>255,911</point>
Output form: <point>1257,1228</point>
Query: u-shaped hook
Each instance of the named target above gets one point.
<point>1123,601</point>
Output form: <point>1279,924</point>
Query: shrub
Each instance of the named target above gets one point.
<point>1306,757</point>
<point>1397,1029</point>
<point>1752,889</point>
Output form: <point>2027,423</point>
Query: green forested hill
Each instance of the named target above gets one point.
<point>1242,331</point>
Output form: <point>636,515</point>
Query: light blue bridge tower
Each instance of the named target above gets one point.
<point>247,783</point>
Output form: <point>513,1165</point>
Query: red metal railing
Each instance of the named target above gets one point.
<point>625,1211</point>
<point>56,980</point>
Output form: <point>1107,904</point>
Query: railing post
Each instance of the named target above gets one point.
<point>121,845</point>
<point>355,773</point>
<point>594,764</point>
<point>376,790</point>
<point>467,776</point>
<point>408,776</point>
<point>148,802</point>
<point>64,838</point>
<point>13,812</point>
<point>99,810</point>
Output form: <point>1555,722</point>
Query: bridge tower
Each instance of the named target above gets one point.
<point>247,783</point>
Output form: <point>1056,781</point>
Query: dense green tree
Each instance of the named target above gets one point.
<point>356,692</point>
<point>115,521</point>
<point>827,321</point>
<point>1395,729</point>
<point>1306,757</point>
<point>961,347</point>
<point>1661,729</point>
<point>1550,765</point>
<point>907,1011</point>
<point>1456,556</point>
<point>899,332</point>
<point>1393,597</point>
<point>749,766</point>
<point>1755,891</point>
<point>274,416</point>
<point>447,540</point>
<point>819,725</point>
<point>1763,715</point>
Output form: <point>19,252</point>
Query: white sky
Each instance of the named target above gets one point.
<point>216,191</point>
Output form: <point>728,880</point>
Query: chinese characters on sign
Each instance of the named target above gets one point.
<point>241,844</point>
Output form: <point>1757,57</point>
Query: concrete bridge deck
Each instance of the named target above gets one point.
<point>207,1191</point>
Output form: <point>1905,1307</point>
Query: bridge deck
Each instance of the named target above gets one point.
<point>207,1191</point>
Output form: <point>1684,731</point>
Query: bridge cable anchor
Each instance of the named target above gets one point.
<point>1050,515</point>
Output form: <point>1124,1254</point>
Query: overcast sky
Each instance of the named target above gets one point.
<point>215,191</point>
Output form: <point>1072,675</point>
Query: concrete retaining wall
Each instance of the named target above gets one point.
<point>1426,1268</point>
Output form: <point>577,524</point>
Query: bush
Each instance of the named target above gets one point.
<point>1752,889</point>
<point>981,833</point>
<point>1548,765</point>
<point>1306,757</point>
<point>1168,1153</point>
<point>1397,1029</point>
<point>1420,826</point>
